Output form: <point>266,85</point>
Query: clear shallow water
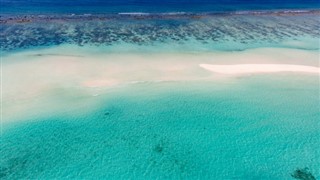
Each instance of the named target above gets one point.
<point>261,127</point>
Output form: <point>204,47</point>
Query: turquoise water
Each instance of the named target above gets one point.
<point>248,127</point>
<point>260,127</point>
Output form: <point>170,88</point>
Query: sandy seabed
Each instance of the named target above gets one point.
<point>36,76</point>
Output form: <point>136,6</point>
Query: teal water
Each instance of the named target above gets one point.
<point>259,127</point>
<point>250,127</point>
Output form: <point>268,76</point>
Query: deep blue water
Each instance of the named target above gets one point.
<point>115,6</point>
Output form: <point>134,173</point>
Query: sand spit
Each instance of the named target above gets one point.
<point>259,68</point>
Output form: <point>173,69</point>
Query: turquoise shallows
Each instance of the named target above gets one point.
<point>261,127</point>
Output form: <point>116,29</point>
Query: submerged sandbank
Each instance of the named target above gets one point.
<point>48,81</point>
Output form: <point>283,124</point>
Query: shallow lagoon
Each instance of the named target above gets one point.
<point>261,127</point>
<point>132,101</point>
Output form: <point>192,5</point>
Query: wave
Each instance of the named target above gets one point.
<point>284,11</point>
<point>155,14</point>
<point>134,13</point>
<point>35,17</point>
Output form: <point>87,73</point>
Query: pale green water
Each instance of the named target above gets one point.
<point>260,127</point>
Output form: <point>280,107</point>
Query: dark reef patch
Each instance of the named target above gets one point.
<point>303,174</point>
<point>90,30</point>
<point>158,148</point>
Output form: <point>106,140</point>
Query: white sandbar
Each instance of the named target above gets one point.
<point>63,79</point>
<point>259,68</point>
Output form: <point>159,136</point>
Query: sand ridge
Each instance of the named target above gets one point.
<point>52,82</point>
<point>259,68</point>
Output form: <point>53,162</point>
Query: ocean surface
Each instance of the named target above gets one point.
<point>113,90</point>
<point>154,6</point>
